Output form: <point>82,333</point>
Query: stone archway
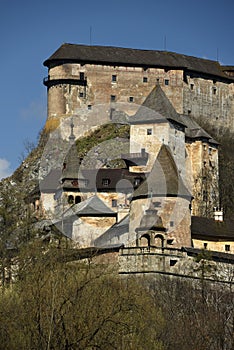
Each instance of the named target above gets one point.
<point>159,241</point>
<point>145,240</point>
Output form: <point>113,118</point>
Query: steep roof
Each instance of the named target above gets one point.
<point>194,131</point>
<point>133,57</point>
<point>164,179</point>
<point>156,108</point>
<point>151,220</point>
<point>92,206</point>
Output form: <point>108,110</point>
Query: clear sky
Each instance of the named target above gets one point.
<point>31,30</point>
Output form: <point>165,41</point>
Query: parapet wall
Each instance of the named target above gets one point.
<point>174,262</point>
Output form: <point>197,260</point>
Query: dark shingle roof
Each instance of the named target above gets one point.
<point>156,108</point>
<point>211,229</point>
<point>133,57</point>
<point>164,179</point>
<point>194,131</point>
<point>92,206</point>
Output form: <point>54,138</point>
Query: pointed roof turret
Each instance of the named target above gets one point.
<point>156,108</point>
<point>164,179</point>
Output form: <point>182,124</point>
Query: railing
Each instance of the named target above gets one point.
<point>152,250</point>
<point>50,81</point>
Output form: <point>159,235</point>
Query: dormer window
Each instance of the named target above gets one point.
<point>137,181</point>
<point>105,182</point>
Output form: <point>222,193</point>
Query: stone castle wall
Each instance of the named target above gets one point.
<point>190,94</point>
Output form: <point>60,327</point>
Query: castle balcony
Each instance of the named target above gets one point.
<point>49,81</point>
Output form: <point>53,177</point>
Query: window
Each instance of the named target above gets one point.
<point>113,98</point>
<point>205,245</point>
<point>114,78</point>
<point>114,203</point>
<point>77,199</point>
<point>145,79</point>
<point>227,247</point>
<point>214,90</point>
<point>166,81</point>
<point>82,77</point>
<point>105,182</point>
<point>131,99</point>
<point>70,199</point>
<point>191,86</point>
<point>137,181</point>
<point>149,131</point>
<point>89,107</point>
<point>173,262</point>
<point>81,94</point>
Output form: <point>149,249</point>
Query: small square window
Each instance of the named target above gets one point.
<point>114,203</point>
<point>89,107</point>
<point>81,94</point>
<point>149,131</point>
<point>145,79</point>
<point>131,99</point>
<point>114,78</point>
<point>227,247</point>
<point>105,182</point>
<point>166,81</point>
<point>82,76</point>
<point>113,98</point>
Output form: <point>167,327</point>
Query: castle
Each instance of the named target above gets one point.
<point>167,177</point>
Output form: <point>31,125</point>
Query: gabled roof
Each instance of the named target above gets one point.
<point>164,179</point>
<point>194,131</point>
<point>92,206</point>
<point>133,57</point>
<point>156,108</point>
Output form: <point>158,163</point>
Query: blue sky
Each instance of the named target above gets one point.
<point>31,30</point>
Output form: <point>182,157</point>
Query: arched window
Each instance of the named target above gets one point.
<point>70,199</point>
<point>145,241</point>
<point>159,241</point>
<point>77,199</point>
